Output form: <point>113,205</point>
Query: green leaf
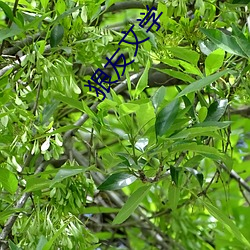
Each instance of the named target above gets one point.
<point>13,246</point>
<point>128,108</point>
<point>8,180</point>
<point>197,85</point>
<point>143,81</point>
<point>98,210</point>
<point>186,54</point>
<point>245,2</point>
<point>9,32</point>
<point>56,35</point>
<point>227,223</point>
<point>174,172</point>
<point>166,117</point>
<point>49,244</point>
<point>33,183</point>
<point>117,181</point>
<point>216,110</point>
<point>158,97</point>
<point>198,175</point>
<point>219,125</point>
<point>177,74</point>
<point>7,10</point>
<point>214,61</point>
<point>202,114</point>
<point>41,243</point>
<point>223,41</point>
<point>173,196</point>
<point>132,203</point>
<point>70,101</point>
<point>66,172</point>
<point>193,132</point>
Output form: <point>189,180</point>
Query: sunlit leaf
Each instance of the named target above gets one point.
<point>8,180</point>
<point>117,181</point>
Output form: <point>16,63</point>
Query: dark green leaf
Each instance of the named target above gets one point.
<point>174,172</point>
<point>7,10</point>
<point>245,2</point>
<point>56,35</point>
<point>198,175</point>
<point>223,41</point>
<point>117,181</point>
<point>166,117</point>
<point>216,110</point>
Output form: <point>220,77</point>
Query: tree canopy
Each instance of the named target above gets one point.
<point>120,133</point>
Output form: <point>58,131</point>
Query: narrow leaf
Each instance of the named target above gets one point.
<point>229,224</point>
<point>197,85</point>
<point>64,173</point>
<point>132,203</point>
<point>173,196</point>
<point>117,181</point>
<point>143,81</point>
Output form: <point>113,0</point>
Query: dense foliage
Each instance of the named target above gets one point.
<point>161,163</point>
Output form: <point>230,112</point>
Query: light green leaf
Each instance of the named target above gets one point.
<point>227,223</point>
<point>214,61</point>
<point>98,210</point>
<point>49,244</point>
<point>128,108</point>
<point>66,172</point>
<point>186,54</point>
<point>173,196</point>
<point>143,81</point>
<point>132,203</point>
<point>35,183</point>
<point>8,180</point>
<point>70,101</point>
